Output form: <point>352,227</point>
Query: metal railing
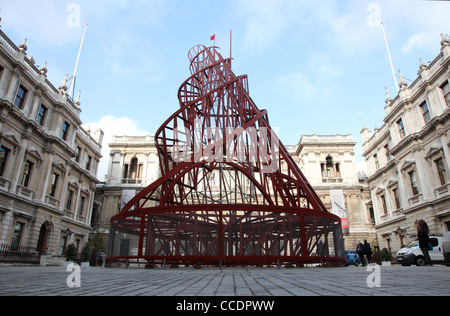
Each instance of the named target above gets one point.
<point>18,255</point>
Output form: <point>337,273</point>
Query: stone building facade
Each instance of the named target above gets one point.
<point>408,158</point>
<point>48,162</point>
<point>328,162</point>
<point>133,166</point>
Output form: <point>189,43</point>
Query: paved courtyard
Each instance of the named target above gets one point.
<point>253,282</point>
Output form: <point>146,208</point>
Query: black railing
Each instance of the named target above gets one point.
<point>18,255</point>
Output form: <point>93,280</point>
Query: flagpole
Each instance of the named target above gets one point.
<point>76,64</point>
<point>231,43</point>
<point>390,58</point>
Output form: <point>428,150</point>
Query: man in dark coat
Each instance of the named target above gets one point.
<point>368,251</point>
<point>360,252</point>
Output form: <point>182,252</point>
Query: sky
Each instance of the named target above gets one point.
<point>317,67</point>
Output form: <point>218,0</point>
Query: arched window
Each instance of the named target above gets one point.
<point>329,161</point>
<point>132,172</point>
<point>133,169</point>
<point>330,170</point>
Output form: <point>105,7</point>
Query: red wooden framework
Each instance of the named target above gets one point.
<point>229,192</point>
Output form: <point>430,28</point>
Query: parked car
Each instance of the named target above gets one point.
<point>446,248</point>
<point>412,254</point>
<point>351,257</point>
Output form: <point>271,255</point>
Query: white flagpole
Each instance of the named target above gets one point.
<point>76,64</point>
<point>390,58</point>
<point>231,43</point>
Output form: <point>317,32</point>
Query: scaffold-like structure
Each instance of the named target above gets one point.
<point>229,192</point>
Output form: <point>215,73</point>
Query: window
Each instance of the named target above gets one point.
<point>133,168</point>
<point>77,158</point>
<point>375,159</point>
<point>25,181</point>
<point>338,171</point>
<point>4,153</point>
<point>41,115</point>
<point>446,92</point>
<point>388,242</point>
<point>88,163</point>
<point>63,245</point>
<point>434,242</point>
<point>442,173</point>
<point>65,131</point>
<point>53,185</point>
<point>77,245</point>
<point>372,215</point>
<point>69,200</point>
<point>396,198</point>
<point>80,210</point>
<point>330,170</point>
<point>413,181</point>
<point>383,204</point>
<point>401,128</point>
<point>425,112</point>
<point>386,150</point>
<point>15,242</point>
<point>125,171</point>
<point>20,97</point>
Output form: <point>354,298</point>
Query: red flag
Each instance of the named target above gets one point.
<point>213,38</point>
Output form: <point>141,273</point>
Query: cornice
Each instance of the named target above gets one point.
<point>342,187</point>
<point>391,164</point>
<point>427,129</point>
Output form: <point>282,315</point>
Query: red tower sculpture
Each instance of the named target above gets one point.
<point>229,192</point>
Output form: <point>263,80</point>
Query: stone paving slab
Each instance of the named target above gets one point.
<point>227,282</point>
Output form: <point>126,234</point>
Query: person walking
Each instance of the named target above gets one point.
<point>368,251</point>
<point>360,252</point>
<point>424,239</point>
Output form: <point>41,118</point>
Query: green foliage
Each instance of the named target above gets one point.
<point>376,256</point>
<point>71,252</point>
<point>97,244</point>
<point>86,252</point>
<point>385,255</point>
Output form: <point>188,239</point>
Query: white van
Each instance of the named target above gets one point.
<point>446,248</point>
<point>411,254</point>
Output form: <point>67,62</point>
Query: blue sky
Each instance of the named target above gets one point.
<point>318,67</point>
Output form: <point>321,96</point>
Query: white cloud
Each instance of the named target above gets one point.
<point>348,28</point>
<point>418,40</point>
<point>266,20</point>
<point>299,85</point>
<point>345,26</point>
<point>341,26</point>
<point>416,25</point>
<point>112,126</point>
